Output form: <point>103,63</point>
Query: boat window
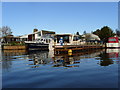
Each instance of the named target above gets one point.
<point>112,39</point>
<point>75,38</point>
<point>54,39</point>
<point>66,39</point>
<point>58,38</point>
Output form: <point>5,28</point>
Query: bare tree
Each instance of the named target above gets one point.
<point>5,31</point>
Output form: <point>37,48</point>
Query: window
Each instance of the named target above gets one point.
<point>75,38</point>
<point>66,39</point>
<point>39,34</point>
<point>112,39</point>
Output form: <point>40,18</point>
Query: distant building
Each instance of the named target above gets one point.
<point>9,38</point>
<point>90,36</point>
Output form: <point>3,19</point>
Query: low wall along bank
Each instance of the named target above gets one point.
<point>14,47</point>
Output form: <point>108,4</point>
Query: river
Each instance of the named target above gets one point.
<point>43,69</point>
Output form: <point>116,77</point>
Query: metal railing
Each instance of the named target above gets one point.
<point>42,40</point>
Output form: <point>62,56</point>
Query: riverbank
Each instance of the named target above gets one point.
<point>15,47</point>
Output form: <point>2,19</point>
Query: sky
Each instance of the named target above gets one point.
<point>61,17</point>
<point>60,0</point>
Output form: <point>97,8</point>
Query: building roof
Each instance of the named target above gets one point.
<point>24,36</point>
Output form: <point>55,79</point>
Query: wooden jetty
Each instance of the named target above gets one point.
<point>74,48</point>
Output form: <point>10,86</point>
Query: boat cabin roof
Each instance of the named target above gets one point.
<point>64,35</point>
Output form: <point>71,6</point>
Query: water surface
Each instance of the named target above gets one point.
<point>43,69</point>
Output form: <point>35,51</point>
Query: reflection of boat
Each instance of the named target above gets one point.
<point>110,56</point>
<point>39,57</point>
<point>113,53</point>
<point>113,42</point>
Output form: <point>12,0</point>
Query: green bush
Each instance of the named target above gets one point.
<point>14,44</point>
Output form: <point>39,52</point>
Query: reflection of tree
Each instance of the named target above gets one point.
<point>6,62</point>
<point>105,60</point>
<point>8,56</point>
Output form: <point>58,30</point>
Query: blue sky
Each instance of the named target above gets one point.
<point>61,17</point>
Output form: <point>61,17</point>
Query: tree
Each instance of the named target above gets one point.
<point>80,36</point>
<point>5,31</point>
<point>84,32</point>
<point>104,33</point>
<point>97,32</point>
<point>77,33</point>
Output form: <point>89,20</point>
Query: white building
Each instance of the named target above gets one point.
<point>90,36</point>
<point>37,35</point>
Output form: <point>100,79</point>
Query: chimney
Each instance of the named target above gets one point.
<point>35,30</point>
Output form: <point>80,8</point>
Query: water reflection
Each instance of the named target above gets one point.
<point>66,61</point>
<point>74,60</point>
<point>109,56</point>
<point>105,60</point>
<point>36,59</point>
<point>14,52</point>
<point>113,53</point>
<point>9,55</point>
<point>39,58</point>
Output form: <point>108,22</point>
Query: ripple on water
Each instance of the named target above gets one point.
<point>27,71</point>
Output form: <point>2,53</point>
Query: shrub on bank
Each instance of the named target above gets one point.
<point>14,44</point>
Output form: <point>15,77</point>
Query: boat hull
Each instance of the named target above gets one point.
<point>37,46</point>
